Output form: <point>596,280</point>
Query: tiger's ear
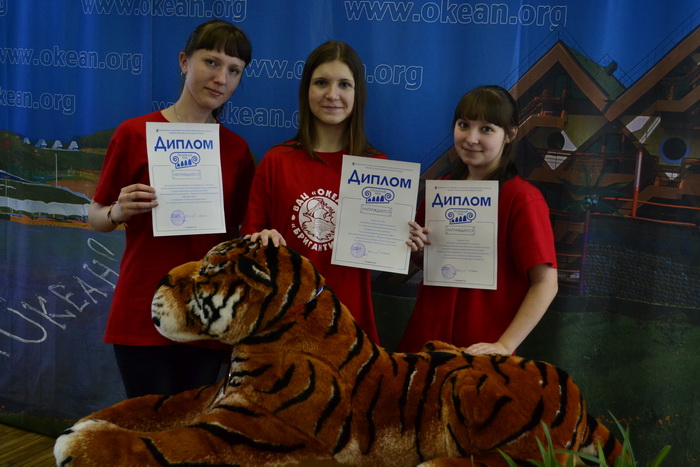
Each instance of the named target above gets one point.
<point>254,272</point>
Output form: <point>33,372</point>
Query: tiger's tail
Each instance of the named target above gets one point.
<point>596,435</point>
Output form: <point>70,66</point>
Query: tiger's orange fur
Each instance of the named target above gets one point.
<point>305,384</point>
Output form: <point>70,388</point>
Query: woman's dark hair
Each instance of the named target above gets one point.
<point>495,105</point>
<point>328,52</point>
<point>220,35</point>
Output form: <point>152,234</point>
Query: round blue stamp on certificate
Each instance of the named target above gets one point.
<point>449,271</point>
<point>358,250</point>
<point>177,217</point>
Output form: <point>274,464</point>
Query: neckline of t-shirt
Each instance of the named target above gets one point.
<point>334,153</point>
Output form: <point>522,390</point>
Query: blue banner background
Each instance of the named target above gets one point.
<point>420,58</point>
<point>70,69</point>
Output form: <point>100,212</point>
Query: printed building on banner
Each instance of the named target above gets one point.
<point>596,147</point>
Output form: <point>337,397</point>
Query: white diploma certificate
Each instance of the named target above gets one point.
<point>184,162</point>
<point>377,199</point>
<point>463,219</point>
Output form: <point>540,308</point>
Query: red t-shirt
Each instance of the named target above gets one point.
<point>146,258</point>
<point>298,196</point>
<point>467,316</point>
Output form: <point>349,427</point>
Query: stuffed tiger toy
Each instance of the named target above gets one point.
<point>306,386</point>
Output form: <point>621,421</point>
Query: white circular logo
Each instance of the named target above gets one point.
<point>315,216</point>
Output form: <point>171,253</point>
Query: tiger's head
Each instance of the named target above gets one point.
<point>237,290</point>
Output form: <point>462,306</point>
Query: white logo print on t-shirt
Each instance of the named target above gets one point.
<point>313,220</point>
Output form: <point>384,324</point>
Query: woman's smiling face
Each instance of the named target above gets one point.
<point>332,93</point>
<point>479,144</point>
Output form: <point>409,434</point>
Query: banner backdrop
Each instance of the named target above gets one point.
<point>609,99</point>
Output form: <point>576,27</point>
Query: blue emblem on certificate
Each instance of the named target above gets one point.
<point>358,250</point>
<point>177,217</point>
<point>449,271</point>
<point>460,215</point>
<point>375,195</point>
<point>184,160</point>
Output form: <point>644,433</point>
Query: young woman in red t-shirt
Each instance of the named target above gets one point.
<point>294,197</point>
<point>211,65</point>
<point>490,321</point>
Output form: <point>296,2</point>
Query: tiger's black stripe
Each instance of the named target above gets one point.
<point>448,378</point>
<point>480,383</point>
<point>344,435</point>
<point>577,425</point>
<point>460,449</point>
<point>469,358</point>
<point>291,292</point>
<point>563,399</point>
<point>160,402</point>
<point>252,270</point>
<point>252,373</point>
<point>356,348</point>
<point>371,428</point>
<point>411,360</point>
<point>437,358</point>
<point>313,303</point>
<point>310,307</point>
<point>592,425</point>
<point>230,293</point>
<point>365,369</point>
<point>239,410</point>
<point>496,361</point>
<point>305,394</point>
<point>272,265</point>
<point>233,287</point>
<point>543,372</point>
<point>268,337</point>
<point>501,402</point>
<point>337,311</point>
<point>457,401</point>
<point>273,261</point>
<point>534,421</point>
<point>211,311</point>
<point>333,402</point>
<point>427,347</point>
<point>235,438</point>
<point>158,455</point>
<point>317,279</point>
<point>394,365</point>
<point>235,378</point>
<point>609,444</point>
<point>282,382</point>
